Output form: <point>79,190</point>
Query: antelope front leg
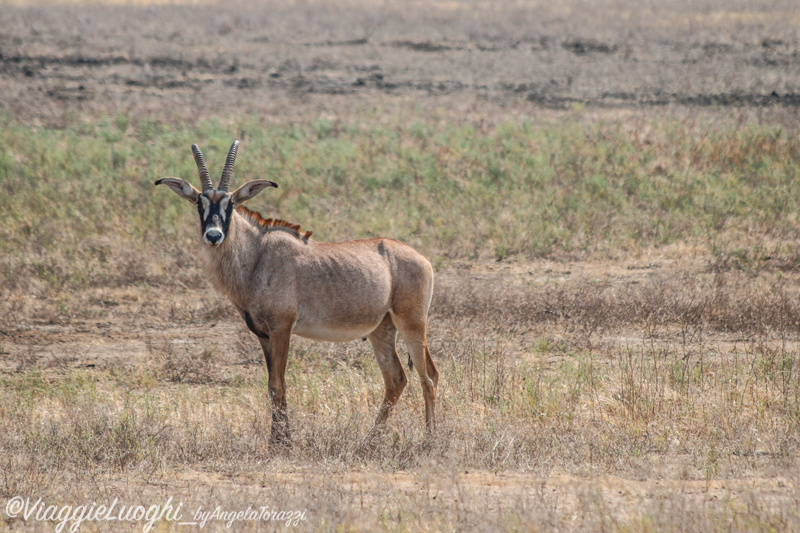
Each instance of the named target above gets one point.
<point>276,352</point>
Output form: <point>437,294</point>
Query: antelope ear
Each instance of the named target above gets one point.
<point>250,189</point>
<point>181,187</point>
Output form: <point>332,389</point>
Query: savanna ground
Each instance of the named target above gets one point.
<point>608,195</point>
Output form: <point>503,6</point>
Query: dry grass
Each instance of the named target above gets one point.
<point>556,389</point>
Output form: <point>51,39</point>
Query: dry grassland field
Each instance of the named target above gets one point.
<point>608,194</point>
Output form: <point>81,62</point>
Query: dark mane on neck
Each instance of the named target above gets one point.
<point>272,224</point>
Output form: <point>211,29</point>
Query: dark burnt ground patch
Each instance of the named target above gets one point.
<point>177,57</point>
<point>583,47</point>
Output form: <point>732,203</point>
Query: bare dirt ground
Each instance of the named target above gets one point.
<point>608,54</point>
<point>492,58</point>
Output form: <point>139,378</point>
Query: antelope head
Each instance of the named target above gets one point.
<point>215,206</point>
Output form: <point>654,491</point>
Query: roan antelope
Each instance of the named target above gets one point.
<point>283,282</point>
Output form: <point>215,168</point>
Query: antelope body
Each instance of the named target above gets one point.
<point>282,283</point>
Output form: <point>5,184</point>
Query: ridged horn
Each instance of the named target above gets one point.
<point>205,177</point>
<point>227,172</point>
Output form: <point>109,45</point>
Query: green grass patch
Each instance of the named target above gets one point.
<point>82,197</point>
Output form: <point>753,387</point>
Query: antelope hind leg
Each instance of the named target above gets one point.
<point>383,340</point>
<point>416,342</point>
